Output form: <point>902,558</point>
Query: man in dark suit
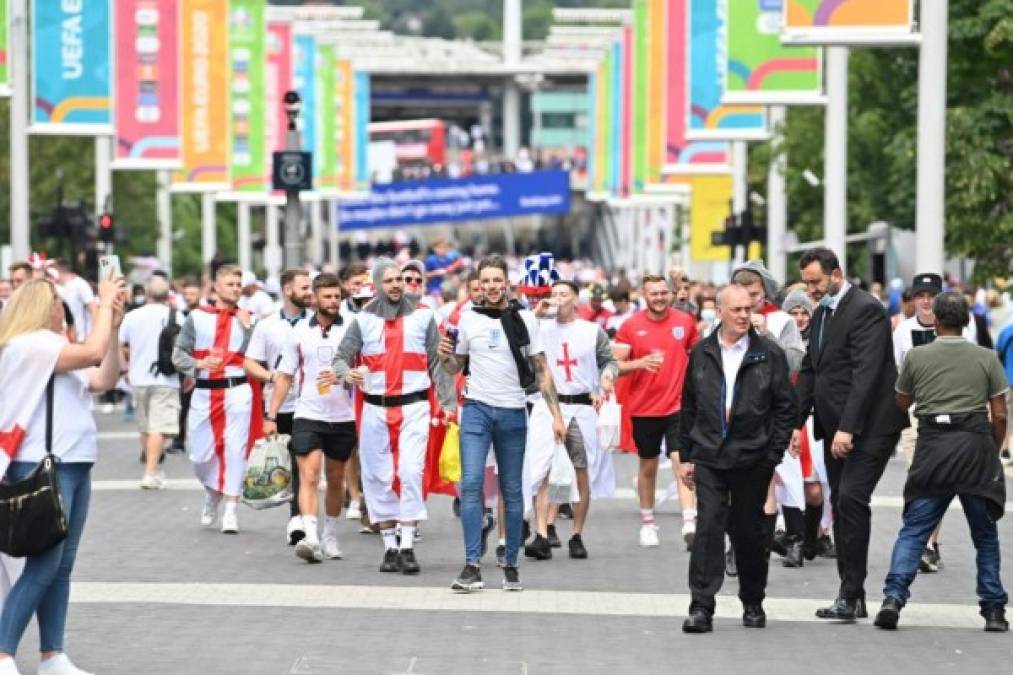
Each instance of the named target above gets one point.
<point>847,380</point>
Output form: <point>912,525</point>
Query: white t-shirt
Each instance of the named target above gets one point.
<point>74,432</point>
<point>78,295</point>
<point>259,304</point>
<point>903,338</point>
<point>307,351</point>
<point>270,336</point>
<point>493,378</point>
<point>139,331</point>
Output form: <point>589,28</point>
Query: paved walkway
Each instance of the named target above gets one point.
<point>155,593</point>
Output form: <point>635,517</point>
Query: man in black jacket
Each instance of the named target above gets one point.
<point>847,379</point>
<point>738,412</point>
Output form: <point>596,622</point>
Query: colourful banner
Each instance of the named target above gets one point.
<point>592,134</point>
<point>626,114</point>
<point>639,103</point>
<point>72,86</point>
<point>681,155</point>
<point>709,119</point>
<point>759,69</point>
<point>362,116</point>
<point>708,210</point>
<point>5,84</point>
<point>616,120</point>
<point>344,128</point>
<point>843,22</point>
<point>303,82</point>
<point>601,126</point>
<point>247,62</point>
<point>277,80</point>
<point>656,89</point>
<point>325,153</point>
<point>147,89</point>
<point>204,95</point>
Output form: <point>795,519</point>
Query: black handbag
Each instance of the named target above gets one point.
<point>32,519</point>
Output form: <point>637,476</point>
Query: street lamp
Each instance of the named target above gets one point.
<point>293,105</point>
<point>293,171</point>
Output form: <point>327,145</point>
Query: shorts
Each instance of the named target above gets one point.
<point>574,445</point>
<point>284,423</point>
<point>157,410</point>
<point>336,439</point>
<point>648,432</point>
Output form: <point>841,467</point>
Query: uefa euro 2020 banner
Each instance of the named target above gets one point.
<point>247,65</point>
<point>447,200</point>
<point>72,88</point>
<point>5,84</point>
<point>849,22</point>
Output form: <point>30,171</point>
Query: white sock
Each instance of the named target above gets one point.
<point>309,524</point>
<point>407,536</point>
<point>501,542</point>
<point>230,507</point>
<point>647,516</point>
<point>689,515</point>
<point>331,526</point>
<point>389,535</point>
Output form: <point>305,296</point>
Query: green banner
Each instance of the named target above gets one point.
<point>326,118</point>
<point>759,69</point>
<point>4,48</point>
<point>641,54</point>
<point>247,65</point>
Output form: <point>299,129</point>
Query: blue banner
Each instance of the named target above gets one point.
<point>303,81</point>
<point>362,116</point>
<point>72,67</point>
<point>453,199</point>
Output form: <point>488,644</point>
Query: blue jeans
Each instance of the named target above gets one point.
<point>921,516</point>
<point>506,429</point>
<point>43,588</point>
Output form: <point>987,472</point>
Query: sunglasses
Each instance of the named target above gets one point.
<point>413,280</point>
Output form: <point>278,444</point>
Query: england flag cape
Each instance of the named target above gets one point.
<point>26,364</point>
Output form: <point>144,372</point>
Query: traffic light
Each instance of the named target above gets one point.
<point>106,229</point>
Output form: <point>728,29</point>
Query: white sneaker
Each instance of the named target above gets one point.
<point>649,536</point>
<point>354,511</point>
<point>60,665</point>
<point>309,551</point>
<point>8,667</point>
<point>209,515</point>
<point>152,482</point>
<point>230,522</point>
<point>294,531</point>
<point>329,547</point>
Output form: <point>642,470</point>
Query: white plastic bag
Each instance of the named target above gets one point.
<point>562,477</point>
<point>610,419</point>
<point>268,474</point>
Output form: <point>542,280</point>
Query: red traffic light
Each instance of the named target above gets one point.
<point>105,221</point>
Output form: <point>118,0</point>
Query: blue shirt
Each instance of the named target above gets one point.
<point>1004,345</point>
<point>438,262</point>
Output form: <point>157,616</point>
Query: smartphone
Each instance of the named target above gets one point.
<point>109,267</point>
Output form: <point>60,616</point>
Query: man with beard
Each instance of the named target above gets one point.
<point>263,356</point>
<point>397,345</point>
<point>324,422</point>
<point>225,411</point>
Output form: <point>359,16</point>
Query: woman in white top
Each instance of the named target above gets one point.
<point>33,346</point>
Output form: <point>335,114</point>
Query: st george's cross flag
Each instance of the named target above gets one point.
<point>26,364</point>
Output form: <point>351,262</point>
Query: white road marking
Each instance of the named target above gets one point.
<point>491,601</point>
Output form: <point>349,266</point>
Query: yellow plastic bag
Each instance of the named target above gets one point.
<point>450,455</point>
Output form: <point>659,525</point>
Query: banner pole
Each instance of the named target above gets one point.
<point>103,174</point>
<point>740,193</point>
<point>333,244</point>
<point>243,238</point>
<point>163,205</point>
<point>930,212</point>
<point>835,171</point>
<point>18,58</point>
<point>209,233</point>
<point>272,237</point>
<point>777,199</point>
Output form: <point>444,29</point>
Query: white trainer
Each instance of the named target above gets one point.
<point>8,667</point>
<point>294,531</point>
<point>230,522</point>
<point>60,665</point>
<point>209,515</point>
<point>309,551</point>
<point>329,547</point>
<point>649,535</point>
<point>152,481</point>
<point>354,511</point>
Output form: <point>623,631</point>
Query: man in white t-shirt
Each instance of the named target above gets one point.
<point>267,345</point>
<point>156,394</point>
<point>324,422</point>
<point>80,297</point>
<point>254,299</point>
<point>499,346</point>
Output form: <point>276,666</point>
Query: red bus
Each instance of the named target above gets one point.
<point>416,141</point>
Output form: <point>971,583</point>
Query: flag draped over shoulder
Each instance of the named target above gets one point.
<point>26,364</point>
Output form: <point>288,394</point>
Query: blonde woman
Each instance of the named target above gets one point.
<point>32,348</point>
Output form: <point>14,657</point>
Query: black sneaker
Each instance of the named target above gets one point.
<point>995,620</point>
<point>577,550</point>
<point>928,561</point>
<point>825,547</point>
<point>566,512</point>
<point>731,569</point>
<point>511,579</point>
<point>889,614</point>
<point>525,531</point>
<point>487,526</point>
<point>538,549</point>
<point>390,561</point>
<point>937,556</point>
<point>779,545</point>
<point>553,538</point>
<point>407,561</point>
<point>470,579</point>
<point>457,507</point>
<point>501,556</point>
<point>753,616</point>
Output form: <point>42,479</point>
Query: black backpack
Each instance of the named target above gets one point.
<point>166,343</point>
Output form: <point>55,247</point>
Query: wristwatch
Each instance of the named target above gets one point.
<point>268,418</point>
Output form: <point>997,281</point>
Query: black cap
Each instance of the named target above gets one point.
<point>933,283</point>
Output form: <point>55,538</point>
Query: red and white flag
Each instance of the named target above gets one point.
<point>26,364</point>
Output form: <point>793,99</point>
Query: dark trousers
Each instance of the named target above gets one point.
<point>729,499</point>
<point>852,481</point>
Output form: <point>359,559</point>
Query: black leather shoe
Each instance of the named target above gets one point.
<point>793,556</point>
<point>889,614</point>
<point>698,621</point>
<point>553,538</point>
<point>539,548</point>
<point>731,569</point>
<point>995,620</point>
<point>826,548</point>
<point>843,610</point>
<point>577,550</point>
<point>391,558</point>
<point>779,544</point>
<point>407,562</point>
<point>753,616</point>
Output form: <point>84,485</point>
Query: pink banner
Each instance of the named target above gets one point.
<point>147,100</point>
<point>279,80</point>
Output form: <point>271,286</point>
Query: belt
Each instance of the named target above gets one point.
<point>575,399</point>
<point>222,383</point>
<point>397,400</point>
<point>952,421</point>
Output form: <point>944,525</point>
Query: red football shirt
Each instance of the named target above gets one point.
<point>660,393</point>
<point>587,314</point>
